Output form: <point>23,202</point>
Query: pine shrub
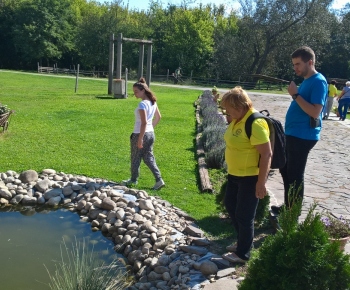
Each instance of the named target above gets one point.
<point>299,256</point>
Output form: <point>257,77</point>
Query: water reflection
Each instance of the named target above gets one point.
<point>31,238</point>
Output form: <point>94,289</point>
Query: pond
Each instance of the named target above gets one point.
<point>32,239</point>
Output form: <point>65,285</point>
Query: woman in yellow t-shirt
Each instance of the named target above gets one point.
<point>248,163</point>
<point>332,93</point>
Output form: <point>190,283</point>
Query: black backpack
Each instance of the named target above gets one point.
<point>277,137</point>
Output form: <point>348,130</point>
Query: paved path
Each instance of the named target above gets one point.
<point>327,174</point>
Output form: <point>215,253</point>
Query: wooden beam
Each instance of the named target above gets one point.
<point>138,40</point>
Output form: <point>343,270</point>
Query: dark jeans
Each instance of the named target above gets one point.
<point>241,203</point>
<point>297,151</point>
<point>343,107</point>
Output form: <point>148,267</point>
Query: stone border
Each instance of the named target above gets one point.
<point>163,248</point>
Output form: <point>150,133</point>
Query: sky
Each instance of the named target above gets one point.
<point>144,4</point>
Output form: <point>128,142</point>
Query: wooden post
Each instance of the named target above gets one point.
<point>111,64</point>
<point>119,56</point>
<point>126,83</point>
<point>141,60</point>
<point>167,75</point>
<point>149,65</point>
<point>76,79</point>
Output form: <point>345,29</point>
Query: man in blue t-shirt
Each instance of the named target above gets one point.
<point>303,121</point>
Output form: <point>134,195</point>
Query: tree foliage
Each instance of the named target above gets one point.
<point>205,40</point>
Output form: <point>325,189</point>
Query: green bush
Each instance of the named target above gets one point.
<point>299,256</point>
<point>262,210</point>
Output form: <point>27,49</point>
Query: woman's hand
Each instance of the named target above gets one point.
<point>140,143</point>
<point>260,190</point>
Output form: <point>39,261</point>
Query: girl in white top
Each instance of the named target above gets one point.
<point>147,116</point>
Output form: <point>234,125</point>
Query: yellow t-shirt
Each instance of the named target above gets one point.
<point>241,156</point>
<point>332,90</point>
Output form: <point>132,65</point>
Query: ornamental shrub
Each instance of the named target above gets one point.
<point>299,256</point>
<point>214,127</point>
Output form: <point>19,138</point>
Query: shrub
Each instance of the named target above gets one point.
<point>214,127</point>
<point>215,157</point>
<point>299,256</point>
<point>262,210</point>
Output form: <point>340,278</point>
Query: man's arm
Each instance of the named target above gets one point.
<point>313,110</point>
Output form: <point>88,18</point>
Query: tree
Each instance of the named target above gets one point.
<point>8,56</point>
<point>268,27</point>
<point>335,60</point>
<point>188,39</point>
<point>43,29</point>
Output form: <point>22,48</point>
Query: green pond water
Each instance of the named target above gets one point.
<point>31,240</point>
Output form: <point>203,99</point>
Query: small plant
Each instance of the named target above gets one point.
<point>336,227</point>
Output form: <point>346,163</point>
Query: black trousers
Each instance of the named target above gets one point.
<point>297,152</point>
<point>241,203</point>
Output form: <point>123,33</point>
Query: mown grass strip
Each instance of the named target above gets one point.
<point>88,133</point>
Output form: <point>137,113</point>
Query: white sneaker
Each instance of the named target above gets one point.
<point>159,184</point>
<point>129,182</point>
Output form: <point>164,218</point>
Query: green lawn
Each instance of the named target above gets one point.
<point>88,133</point>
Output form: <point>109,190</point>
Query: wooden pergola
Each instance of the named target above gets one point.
<point>118,72</point>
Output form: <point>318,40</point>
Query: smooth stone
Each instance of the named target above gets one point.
<point>28,176</point>
<point>146,204</point>
<point>208,268</point>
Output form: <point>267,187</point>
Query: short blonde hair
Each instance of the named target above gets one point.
<point>236,98</point>
<point>347,83</point>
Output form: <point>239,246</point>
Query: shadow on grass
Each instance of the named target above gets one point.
<point>222,229</point>
<point>105,97</point>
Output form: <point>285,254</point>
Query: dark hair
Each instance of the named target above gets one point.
<point>333,82</point>
<point>141,85</point>
<point>305,53</point>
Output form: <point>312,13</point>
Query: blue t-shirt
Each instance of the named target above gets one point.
<point>313,90</point>
<point>346,94</point>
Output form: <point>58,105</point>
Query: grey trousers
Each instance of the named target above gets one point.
<point>328,106</point>
<point>146,153</point>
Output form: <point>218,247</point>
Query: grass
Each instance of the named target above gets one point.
<point>80,268</point>
<point>87,133</point>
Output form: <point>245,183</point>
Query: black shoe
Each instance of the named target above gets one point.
<point>274,223</point>
<point>276,209</point>
<point>324,118</point>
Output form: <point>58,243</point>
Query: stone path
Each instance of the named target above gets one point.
<point>327,178</point>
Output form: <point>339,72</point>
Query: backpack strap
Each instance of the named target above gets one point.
<point>249,123</point>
